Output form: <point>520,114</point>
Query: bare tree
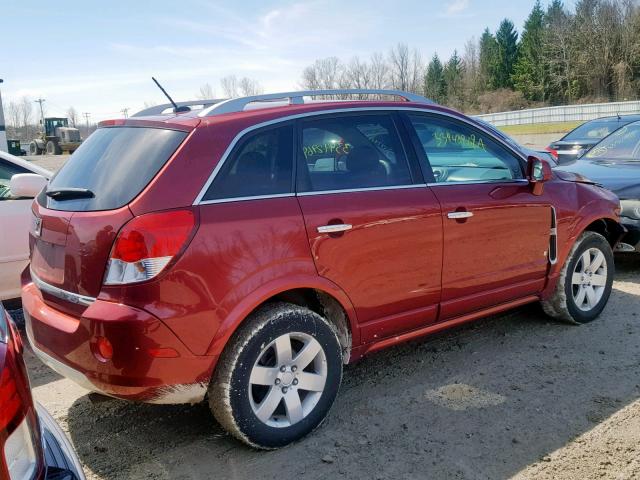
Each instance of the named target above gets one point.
<point>406,68</point>
<point>379,71</point>
<point>73,117</point>
<point>250,87</point>
<point>325,73</point>
<point>230,86</point>
<point>13,115</point>
<point>206,92</point>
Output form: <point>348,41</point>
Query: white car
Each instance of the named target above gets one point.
<point>20,181</point>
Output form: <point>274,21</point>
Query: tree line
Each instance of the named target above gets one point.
<point>588,54</point>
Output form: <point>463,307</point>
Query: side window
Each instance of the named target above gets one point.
<point>261,164</point>
<point>459,153</point>
<point>350,152</point>
<point>8,170</point>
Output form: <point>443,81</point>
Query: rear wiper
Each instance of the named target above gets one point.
<point>69,193</point>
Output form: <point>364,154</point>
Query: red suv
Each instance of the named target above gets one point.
<point>246,251</point>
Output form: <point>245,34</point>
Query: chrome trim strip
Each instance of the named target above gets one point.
<point>367,189</point>
<point>234,105</point>
<point>333,111</point>
<point>60,293</point>
<point>479,182</point>
<point>242,199</point>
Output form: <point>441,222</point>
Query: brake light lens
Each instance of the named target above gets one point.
<point>146,244</point>
<point>552,152</point>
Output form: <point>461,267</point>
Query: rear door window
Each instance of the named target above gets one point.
<point>115,164</point>
<point>351,152</point>
<point>261,165</point>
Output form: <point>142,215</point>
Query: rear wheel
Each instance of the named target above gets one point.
<point>585,281</point>
<point>278,377</point>
<point>53,148</point>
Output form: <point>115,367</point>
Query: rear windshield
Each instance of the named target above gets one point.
<point>593,130</point>
<point>115,164</point>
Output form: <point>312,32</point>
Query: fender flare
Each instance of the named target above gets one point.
<point>240,312</point>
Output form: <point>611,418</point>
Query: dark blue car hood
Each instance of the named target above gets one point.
<point>622,177</point>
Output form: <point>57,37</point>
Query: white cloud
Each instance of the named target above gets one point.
<point>456,8</point>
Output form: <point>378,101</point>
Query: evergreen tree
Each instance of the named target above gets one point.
<point>529,70</point>
<point>453,80</point>
<point>488,60</point>
<point>434,84</point>
<point>507,40</point>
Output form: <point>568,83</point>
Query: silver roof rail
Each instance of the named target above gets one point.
<point>159,109</point>
<point>297,98</point>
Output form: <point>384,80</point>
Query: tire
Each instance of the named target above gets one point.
<point>52,148</point>
<point>248,383</point>
<point>33,149</point>
<point>568,302</point>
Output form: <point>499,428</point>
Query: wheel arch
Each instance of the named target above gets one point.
<point>319,295</point>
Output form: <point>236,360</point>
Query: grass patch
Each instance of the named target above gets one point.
<point>537,128</point>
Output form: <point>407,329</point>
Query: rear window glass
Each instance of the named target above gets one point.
<point>115,164</point>
<point>593,130</point>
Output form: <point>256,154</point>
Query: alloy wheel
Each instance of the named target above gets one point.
<point>288,379</point>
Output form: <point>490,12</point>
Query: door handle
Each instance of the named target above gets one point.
<point>459,215</point>
<point>340,227</point>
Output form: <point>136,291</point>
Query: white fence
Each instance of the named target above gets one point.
<point>561,114</point>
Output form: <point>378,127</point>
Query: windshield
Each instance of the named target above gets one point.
<point>114,165</point>
<point>623,144</point>
<point>593,130</point>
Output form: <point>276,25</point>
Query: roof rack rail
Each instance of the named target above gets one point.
<point>159,109</point>
<point>297,98</point>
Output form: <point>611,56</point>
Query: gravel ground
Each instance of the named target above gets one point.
<point>510,396</point>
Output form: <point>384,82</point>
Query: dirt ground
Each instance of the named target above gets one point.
<point>510,396</point>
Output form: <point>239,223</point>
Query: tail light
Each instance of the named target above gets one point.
<point>146,245</point>
<point>19,449</point>
<point>553,152</point>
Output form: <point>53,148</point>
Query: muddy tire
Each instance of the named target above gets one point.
<point>278,376</point>
<point>585,281</point>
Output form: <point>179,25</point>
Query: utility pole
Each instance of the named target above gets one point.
<point>41,101</point>
<point>3,135</point>
<point>125,112</point>
<point>86,116</point>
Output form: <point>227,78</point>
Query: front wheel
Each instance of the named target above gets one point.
<point>585,281</point>
<point>278,377</point>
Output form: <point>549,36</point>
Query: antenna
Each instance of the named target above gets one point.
<point>176,108</point>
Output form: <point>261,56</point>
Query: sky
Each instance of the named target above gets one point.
<point>99,56</point>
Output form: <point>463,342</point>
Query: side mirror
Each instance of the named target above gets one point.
<point>26,185</point>
<point>538,172</point>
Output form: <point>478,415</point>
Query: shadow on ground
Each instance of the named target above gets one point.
<point>483,401</point>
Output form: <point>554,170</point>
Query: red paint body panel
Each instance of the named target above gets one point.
<point>133,373</point>
<point>389,263</point>
<point>404,269</point>
<point>498,254</point>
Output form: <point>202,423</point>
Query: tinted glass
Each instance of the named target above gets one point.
<point>261,165</point>
<point>623,143</point>
<point>592,130</point>
<point>458,153</point>
<point>352,152</point>
<point>8,170</point>
<point>115,164</point>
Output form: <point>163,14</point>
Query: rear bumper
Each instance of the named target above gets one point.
<point>149,363</point>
